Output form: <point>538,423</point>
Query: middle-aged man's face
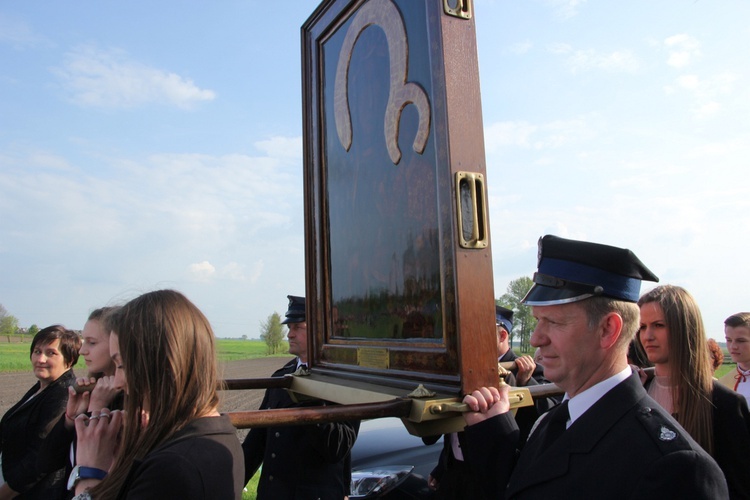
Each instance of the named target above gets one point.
<point>571,351</point>
<point>297,336</point>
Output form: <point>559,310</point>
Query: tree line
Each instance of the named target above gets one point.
<point>9,327</point>
<point>272,331</point>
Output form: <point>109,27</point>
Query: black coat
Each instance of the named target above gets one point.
<point>455,479</point>
<point>731,421</point>
<point>624,447</point>
<point>303,461</point>
<point>526,416</point>
<point>202,461</point>
<point>22,431</point>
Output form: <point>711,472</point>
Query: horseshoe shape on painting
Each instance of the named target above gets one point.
<point>385,14</point>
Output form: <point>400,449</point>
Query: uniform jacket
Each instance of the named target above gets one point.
<point>528,415</point>
<point>732,439</point>
<point>624,447</point>
<point>299,462</point>
<point>525,418</point>
<point>22,431</point>
<point>203,461</point>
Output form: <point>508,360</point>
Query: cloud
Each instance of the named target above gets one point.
<point>524,135</point>
<point>705,94</point>
<point>289,148</point>
<point>202,271</point>
<point>565,9</point>
<point>18,34</point>
<point>682,50</point>
<point>619,61</point>
<point>110,79</point>
<point>521,48</point>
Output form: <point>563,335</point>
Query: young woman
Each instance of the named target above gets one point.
<point>673,336</point>
<point>174,443</point>
<point>54,351</point>
<point>737,334</point>
<point>57,450</point>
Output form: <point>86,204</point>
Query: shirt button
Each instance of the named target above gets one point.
<point>277,434</point>
<point>273,455</point>
<point>270,478</point>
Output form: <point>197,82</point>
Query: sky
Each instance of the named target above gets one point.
<point>148,145</point>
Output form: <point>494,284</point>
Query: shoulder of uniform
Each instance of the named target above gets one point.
<point>287,368</point>
<point>664,431</point>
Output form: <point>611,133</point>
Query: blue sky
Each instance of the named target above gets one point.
<point>151,145</point>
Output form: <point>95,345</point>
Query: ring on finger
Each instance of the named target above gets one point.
<point>104,415</point>
<point>94,418</point>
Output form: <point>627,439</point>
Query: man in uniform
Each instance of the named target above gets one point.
<point>608,439</point>
<point>304,461</point>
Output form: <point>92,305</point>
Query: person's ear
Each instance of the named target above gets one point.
<point>610,329</point>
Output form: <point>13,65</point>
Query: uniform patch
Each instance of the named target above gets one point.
<point>667,434</point>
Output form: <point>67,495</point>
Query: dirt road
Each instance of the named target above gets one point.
<point>14,385</point>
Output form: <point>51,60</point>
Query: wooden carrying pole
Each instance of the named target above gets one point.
<point>399,407</point>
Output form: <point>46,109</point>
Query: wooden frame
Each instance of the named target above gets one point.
<point>399,268</point>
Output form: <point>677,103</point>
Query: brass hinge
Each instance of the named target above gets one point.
<point>458,8</point>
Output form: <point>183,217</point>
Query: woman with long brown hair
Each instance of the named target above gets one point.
<point>174,442</point>
<point>674,338</point>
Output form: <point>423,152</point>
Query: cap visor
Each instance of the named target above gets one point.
<point>541,295</point>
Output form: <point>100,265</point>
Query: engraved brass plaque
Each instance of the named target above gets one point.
<point>373,357</point>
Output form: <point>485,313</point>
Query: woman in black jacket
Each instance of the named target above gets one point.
<point>54,351</point>
<point>674,337</point>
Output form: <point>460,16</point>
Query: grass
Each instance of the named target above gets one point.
<point>251,487</point>
<point>14,356</point>
<point>236,349</point>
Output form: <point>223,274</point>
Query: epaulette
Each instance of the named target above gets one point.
<point>666,434</point>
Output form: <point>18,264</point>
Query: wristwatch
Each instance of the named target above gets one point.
<point>79,472</point>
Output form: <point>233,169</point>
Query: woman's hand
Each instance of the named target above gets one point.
<point>78,402</point>
<point>641,374</point>
<point>103,394</point>
<point>97,438</point>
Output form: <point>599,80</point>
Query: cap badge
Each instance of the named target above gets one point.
<point>667,434</point>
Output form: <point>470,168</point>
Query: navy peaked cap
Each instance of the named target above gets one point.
<point>571,270</point>
<point>296,311</point>
<point>504,318</point>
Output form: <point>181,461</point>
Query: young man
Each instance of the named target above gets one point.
<point>608,439</point>
<point>737,333</point>
<point>305,461</point>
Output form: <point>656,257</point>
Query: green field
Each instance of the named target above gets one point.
<point>14,357</point>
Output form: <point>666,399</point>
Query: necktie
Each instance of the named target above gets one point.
<point>557,420</point>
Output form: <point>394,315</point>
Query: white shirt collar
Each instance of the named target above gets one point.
<point>580,403</point>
